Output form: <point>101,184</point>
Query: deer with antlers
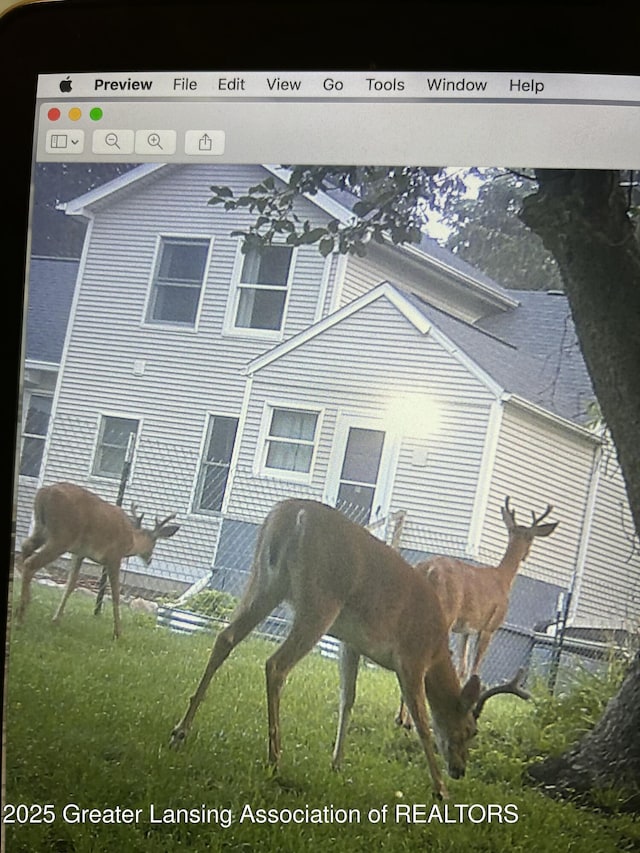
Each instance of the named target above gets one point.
<point>475,598</point>
<point>70,519</point>
<point>343,581</point>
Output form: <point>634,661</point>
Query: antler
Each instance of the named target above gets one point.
<point>536,521</point>
<point>137,519</point>
<point>161,524</point>
<point>514,687</point>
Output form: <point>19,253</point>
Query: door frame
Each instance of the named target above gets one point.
<point>388,460</point>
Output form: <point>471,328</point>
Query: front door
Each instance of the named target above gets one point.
<point>359,474</point>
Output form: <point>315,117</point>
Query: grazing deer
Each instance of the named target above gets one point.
<point>343,581</point>
<point>475,599</point>
<point>71,519</point>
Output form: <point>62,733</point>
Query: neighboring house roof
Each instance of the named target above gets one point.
<point>505,366</point>
<point>51,287</point>
<point>542,326</point>
<point>531,351</point>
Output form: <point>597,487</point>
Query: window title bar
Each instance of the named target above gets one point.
<point>348,85</point>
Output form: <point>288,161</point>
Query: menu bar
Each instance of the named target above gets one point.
<point>345,85</point>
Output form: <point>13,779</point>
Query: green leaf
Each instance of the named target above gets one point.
<point>223,192</point>
<point>313,235</point>
<point>325,246</point>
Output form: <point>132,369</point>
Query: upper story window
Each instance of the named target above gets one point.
<point>261,290</point>
<point>178,280</point>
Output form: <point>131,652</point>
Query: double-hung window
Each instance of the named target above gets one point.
<point>290,441</point>
<point>261,291</point>
<point>216,463</point>
<point>113,442</point>
<point>34,434</point>
<point>178,281</point>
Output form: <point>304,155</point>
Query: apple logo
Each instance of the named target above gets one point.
<point>65,85</point>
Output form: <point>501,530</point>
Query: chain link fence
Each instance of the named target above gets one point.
<point>220,510</point>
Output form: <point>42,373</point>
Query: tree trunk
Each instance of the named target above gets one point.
<point>582,219</point>
<point>608,756</point>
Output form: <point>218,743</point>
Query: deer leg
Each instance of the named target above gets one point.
<point>113,571</point>
<point>30,565</point>
<point>413,691</point>
<point>251,611</point>
<point>32,544</point>
<point>403,717</point>
<point>72,580</point>
<point>482,644</point>
<point>464,656</point>
<point>308,626</point>
<point>349,663</point>
<point>25,592</point>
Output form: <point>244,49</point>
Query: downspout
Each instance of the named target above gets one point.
<point>485,477</point>
<point>569,599</point>
<point>587,525</point>
<point>233,465</point>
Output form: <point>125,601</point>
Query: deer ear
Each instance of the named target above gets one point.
<point>545,529</point>
<point>508,518</point>
<point>470,693</point>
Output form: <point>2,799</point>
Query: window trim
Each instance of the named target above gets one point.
<point>235,290</point>
<point>260,464</point>
<point>196,490</point>
<point>101,416</point>
<point>161,240</point>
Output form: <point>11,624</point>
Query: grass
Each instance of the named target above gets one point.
<point>88,722</point>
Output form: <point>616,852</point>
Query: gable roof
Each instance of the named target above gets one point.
<point>78,206</point>
<point>51,287</point>
<point>532,371</point>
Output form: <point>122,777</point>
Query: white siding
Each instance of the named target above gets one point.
<point>27,488</point>
<point>186,372</point>
<point>168,378</point>
<point>361,367</point>
<point>609,590</point>
<point>386,263</point>
<point>361,276</point>
<point>537,463</point>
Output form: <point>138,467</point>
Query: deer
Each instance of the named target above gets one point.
<point>70,519</point>
<point>475,598</point>
<point>343,581</point>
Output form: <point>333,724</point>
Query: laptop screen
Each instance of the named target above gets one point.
<point>231,270</point>
<point>386,292</point>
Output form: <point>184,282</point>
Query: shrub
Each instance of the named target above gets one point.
<point>212,602</point>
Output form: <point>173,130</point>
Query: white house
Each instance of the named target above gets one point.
<point>404,380</point>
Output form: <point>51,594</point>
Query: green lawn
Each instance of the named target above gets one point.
<point>88,723</point>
